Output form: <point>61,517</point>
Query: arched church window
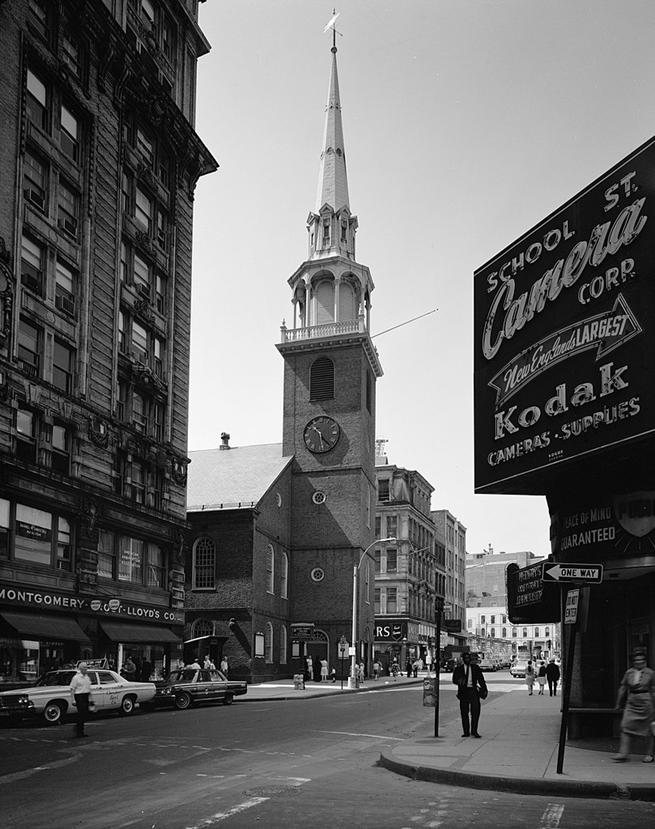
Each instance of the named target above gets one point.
<point>321,379</point>
<point>204,564</point>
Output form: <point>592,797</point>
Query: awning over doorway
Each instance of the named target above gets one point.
<point>50,628</point>
<point>119,632</point>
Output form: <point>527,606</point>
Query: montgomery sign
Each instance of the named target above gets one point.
<point>564,324</point>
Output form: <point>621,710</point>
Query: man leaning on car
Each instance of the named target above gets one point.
<point>80,688</point>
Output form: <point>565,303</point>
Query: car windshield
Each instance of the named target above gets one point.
<point>57,678</point>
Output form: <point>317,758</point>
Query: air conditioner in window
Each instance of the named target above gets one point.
<point>65,303</point>
<point>35,197</point>
<point>69,225</point>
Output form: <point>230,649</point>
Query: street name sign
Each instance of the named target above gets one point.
<point>588,573</point>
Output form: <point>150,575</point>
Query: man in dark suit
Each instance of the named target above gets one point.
<point>471,688</point>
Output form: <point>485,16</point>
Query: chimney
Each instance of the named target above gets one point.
<point>226,441</point>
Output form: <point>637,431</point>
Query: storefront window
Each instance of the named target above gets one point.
<point>33,535</point>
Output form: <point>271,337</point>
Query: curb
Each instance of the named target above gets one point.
<point>533,786</point>
<point>322,694</point>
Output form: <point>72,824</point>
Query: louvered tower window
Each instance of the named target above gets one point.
<point>321,381</point>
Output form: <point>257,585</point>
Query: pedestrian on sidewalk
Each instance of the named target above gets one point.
<point>80,688</point>
<point>376,669</point>
<point>529,676</point>
<point>408,667</point>
<point>637,698</point>
<point>552,675</point>
<point>541,677</point>
<point>471,688</point>
<point>324,670</point>
<point>317,669</point>
<point>309,670</point>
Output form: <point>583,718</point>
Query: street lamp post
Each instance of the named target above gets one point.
<point>352,679</point>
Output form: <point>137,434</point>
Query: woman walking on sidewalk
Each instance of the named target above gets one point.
<point>529,676</point>
<point>637,698</point>
<point>541,677</point>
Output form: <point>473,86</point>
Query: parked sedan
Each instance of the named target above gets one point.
<point>187,686</point>
<point>50,697</point>
<point>518,668</point>
<point>487,663</point>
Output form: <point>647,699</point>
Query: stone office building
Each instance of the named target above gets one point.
<point>98,164</point>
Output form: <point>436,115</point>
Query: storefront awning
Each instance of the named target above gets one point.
<point>50,628</point>
<point>118,632</point>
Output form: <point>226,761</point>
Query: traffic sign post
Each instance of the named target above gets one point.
<point>583,573</point>
<point>343,652</point>
<point>570,599</point>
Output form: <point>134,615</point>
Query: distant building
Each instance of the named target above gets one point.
<point>452,534</point>
<point>99,160</point>
<point>410,571</point>
<point>486,613</point>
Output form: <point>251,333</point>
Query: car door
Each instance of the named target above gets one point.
<point>216,685</point>
<point>110,690</point>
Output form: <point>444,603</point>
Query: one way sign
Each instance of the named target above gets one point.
<point>588,573</point>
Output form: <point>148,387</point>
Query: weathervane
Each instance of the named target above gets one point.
<point>331,25</point>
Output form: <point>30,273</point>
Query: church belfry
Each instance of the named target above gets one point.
<point>330,373</point>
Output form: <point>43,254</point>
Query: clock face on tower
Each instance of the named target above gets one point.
<point>321,434</point>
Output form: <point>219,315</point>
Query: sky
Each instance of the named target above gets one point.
<point>466,122</point>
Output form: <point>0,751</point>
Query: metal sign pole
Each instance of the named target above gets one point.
<point>570,618</point>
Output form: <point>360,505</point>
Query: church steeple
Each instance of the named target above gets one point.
<point>331,290</point>
<point>332,178</point>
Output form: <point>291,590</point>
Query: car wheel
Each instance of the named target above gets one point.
<point>228,699</point>
<point>127,706</point>
<point>183,701</point>
<point>54,712</point>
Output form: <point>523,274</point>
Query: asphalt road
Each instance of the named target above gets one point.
<point>275,764</point>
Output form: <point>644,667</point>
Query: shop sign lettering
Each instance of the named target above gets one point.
<point>564,340</point>
<point>24,597</point>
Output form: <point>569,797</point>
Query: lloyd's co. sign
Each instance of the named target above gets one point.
<point>564,319</point>
<point>35,599</point>
<point>604,528</point>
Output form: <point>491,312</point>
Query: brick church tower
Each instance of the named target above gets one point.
<point>330,373</point>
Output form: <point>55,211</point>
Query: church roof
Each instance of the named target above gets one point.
<point>234,478</point>
<point>332,178</point>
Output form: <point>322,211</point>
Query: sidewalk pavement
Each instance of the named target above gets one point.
<point>517,751</point>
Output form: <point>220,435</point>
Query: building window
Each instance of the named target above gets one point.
<point>143,210</point>
<point>158,356</point>
<point>376,594</point>
<point>106,555</point>
<point>268,642</point>
<point>284,576</point>
<point>33,535</point>
<point>62,367</point>
<point>140,342</point>
<point>321,379</point>
<point>29,347</point>
<point>202,627</point>
<point>38,19</point>
<point>65,281</point>
<point>69,133</point>
<point>60,449</point>
<point>35,185</point>
<point>392,526</point>
<point>283,645</point>
<point>492,633</point>
<point>547,632</point>
<point>137,490</point>
<point>383,489</point>
<point>4,528</point>
<point>204,564</point>
<point>392,561</point>
<point>36,100</point>
<point>515,633</point>
<point>64,549</point>
<point>525,633</point>
<point>139,416</point>
<point>144,147</point>
<point>160,293</point>
<point>68,209</point>
<point>483,619</point>
<point>70,53</point>
<point>25,435</point>
<point>156,571</point>
<point>32,269</point>
<point>130,560</point>
<point>536,632</point>
<point>504,633</point>
<point>392,600</point>
<point>270,569</point>
<point>378,555</point>
<point>141,272</point>
<point>493,619</point>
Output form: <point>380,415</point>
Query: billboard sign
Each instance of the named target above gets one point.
<point>563,348</point>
